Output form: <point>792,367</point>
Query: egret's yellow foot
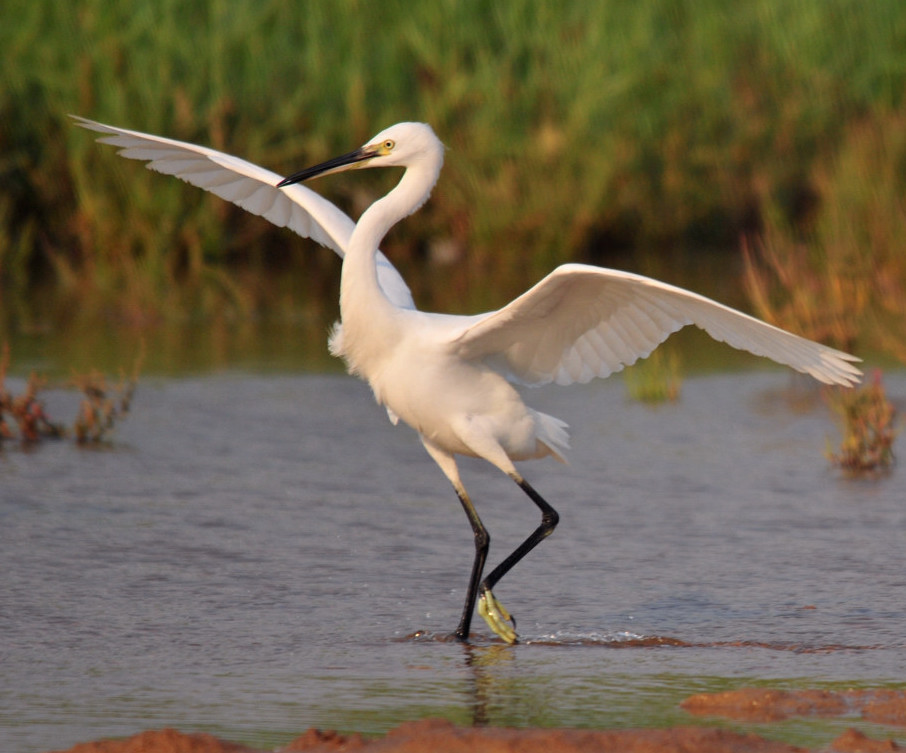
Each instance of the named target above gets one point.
<point>498,619</point>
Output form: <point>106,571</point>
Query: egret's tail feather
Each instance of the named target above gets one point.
<point>553,434</point>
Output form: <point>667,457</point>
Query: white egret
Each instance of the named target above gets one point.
<point>451,377</point>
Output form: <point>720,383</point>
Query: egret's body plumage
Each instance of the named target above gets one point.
<point>451,378</point>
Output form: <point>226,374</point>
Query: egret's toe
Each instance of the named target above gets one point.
<point>498,619</point>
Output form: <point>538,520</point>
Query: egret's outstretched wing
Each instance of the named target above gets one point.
<point>254,189</point>
<point>582,322</point>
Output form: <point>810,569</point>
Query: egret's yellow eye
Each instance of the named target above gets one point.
<point>388,145</point>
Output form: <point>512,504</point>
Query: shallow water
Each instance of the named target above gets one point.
<point>253,556</point>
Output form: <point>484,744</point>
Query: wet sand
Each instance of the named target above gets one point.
<point>883,706</point>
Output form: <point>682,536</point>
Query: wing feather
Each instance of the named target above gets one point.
<point>582,322</point>
<point>254,189</point>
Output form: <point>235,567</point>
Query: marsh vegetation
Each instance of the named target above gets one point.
<point>634,136</point>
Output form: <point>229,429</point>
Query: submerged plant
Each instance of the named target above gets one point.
<point>655,379</point>
<point>101,405</point>
<point>867,421</point>
<point>26,411</point>
<point>24,415</point>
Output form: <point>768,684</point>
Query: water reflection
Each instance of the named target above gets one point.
<point>487,665</point>
<point>267,344</point>
<point>187,347</point>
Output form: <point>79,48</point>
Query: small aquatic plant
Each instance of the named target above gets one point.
<point>24,415</point>
<point>656,379</point>
<point>867,420</point>
<point>26,412</point>
<point>100,406</point>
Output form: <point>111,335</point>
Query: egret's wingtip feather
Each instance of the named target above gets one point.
<point>87,123</point>
<point>608,319</point>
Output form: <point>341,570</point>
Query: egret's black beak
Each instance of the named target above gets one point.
<point>335,165</point>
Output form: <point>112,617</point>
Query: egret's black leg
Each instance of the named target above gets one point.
<point>482,542</point>
<point>549,520</point>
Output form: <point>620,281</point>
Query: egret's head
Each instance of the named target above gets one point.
<point>401,145</point>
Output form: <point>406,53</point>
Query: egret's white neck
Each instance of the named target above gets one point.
<point>359,276</point>
<point>370,320</point>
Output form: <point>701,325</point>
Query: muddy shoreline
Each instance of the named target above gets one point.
<point>883,706</point>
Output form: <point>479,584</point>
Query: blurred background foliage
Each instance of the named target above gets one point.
<point>744,149</point>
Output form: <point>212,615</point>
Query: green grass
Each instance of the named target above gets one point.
<point>576,131</point>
